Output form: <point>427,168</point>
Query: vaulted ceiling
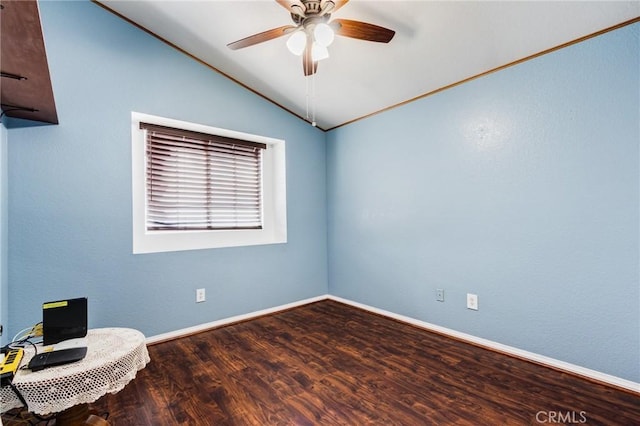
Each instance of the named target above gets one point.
<point>437,44</point>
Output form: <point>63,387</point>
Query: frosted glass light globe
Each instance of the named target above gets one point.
<point>297,42</point>
<point>319,52</point>
<point>323,34</point>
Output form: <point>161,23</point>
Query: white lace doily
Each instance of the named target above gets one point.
<point>114,356</point>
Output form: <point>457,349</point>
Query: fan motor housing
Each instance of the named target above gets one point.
<point>314,13</point>
<point>312,7</point>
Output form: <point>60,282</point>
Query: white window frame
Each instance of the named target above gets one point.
<point>274,227</point>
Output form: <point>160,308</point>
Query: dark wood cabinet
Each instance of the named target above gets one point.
<point>25,86</point>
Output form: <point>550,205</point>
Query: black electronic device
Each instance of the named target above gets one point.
<point>59,357</point>
<point>64,320</point>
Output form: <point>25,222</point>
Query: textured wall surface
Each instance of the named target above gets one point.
<point>521,187</point>
<point>70,193</point>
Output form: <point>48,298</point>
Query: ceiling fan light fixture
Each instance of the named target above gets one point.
<point>323,34</point>
<point>313,31</point>
<point>297,42</point>
<point>319,52</point>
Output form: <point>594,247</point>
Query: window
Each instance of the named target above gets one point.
<point>197,186</point>
<point>197,181</point>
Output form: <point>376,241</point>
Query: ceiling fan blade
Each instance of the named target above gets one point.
<point>308,65</point>
<point>261,37</point>
<point>361,30</point>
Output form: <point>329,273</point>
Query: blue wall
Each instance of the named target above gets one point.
<point>70,193</point>
<point>521,187</point>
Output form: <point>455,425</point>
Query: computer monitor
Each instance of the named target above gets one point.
<point>64,320</point>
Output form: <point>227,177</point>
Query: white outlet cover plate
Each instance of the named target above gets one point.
<point>472,301</point>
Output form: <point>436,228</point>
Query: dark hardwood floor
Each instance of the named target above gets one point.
<point>331,364</point>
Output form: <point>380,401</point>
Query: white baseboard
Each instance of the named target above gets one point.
<point>489,344</point>
<point>226,321</point>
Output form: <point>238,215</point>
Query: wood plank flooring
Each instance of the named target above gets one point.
<point>331,364</point>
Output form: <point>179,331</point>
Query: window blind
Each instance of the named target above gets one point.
<point>197,181</point>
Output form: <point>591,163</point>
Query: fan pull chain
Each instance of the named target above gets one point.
<point>306,81</point>
<point>313,100</point>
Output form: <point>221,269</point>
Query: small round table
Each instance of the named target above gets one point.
<point>114,356</point>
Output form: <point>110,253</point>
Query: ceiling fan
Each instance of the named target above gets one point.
<point>313,32</point>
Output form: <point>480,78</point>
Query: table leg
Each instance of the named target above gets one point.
<point>79,415</point>
<point>94,420</point>
<point>73,416</point>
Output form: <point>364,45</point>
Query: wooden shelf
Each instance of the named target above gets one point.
<point>22,53</point>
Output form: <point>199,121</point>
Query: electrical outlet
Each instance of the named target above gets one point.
<point>440,295</point>
<point>200,295</point>
<point>472,301</point>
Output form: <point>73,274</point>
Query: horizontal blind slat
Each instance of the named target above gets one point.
<point>168,132</point>
<point>195,182</point>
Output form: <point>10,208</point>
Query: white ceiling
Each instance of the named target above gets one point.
<point>437,43</point>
